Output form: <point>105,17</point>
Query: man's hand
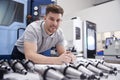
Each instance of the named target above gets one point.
<point>73,57</point>
<point>67,57</point>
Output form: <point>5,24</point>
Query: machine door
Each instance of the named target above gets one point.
<point>89,39</point>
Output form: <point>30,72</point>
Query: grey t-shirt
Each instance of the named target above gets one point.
<point>35,33</point>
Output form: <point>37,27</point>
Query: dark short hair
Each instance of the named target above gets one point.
<point>54,9</point>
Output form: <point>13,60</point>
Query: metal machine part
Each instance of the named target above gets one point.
<point>69,71</point>
<point>49,72</point>
<point>28,64</point>
<point>4,64</point>
<point>84,70</point>
<point>18,67</point>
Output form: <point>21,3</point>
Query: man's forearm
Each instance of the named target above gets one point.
<point>41,59</point>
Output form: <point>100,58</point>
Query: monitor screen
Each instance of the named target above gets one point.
<point>91,35</point>
<point>108,41</point>
<point>42,10</point>
<point>77,31</point>
<point>91,39</point>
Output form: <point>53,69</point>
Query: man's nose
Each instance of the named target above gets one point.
<point>55,23</point>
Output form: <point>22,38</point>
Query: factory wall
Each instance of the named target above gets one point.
<point>106,16</point>
<point>72,6</point>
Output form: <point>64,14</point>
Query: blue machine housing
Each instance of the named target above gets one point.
<point>8,33</point>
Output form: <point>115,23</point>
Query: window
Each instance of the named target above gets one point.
<point>11,11</point>
<point>42,10</point>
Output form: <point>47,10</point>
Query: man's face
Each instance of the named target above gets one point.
<point>52,22</point>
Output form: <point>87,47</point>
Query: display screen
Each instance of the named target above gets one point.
<point>42,10</point>
<point>90,43</point>
<point>91,39</point>
<point>108,41</point>
<point>77,30</point>
<point>91,36</point>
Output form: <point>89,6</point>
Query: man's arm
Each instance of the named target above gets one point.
<point>60,49</point>
<point>30,50</point>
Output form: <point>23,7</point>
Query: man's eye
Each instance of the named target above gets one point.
<point>51,19</point>
<point>58,20</point>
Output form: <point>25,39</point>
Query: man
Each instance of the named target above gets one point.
<point>40,36</point>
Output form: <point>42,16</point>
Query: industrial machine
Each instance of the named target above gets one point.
<point>112,50</point>
<point>15,15</point>
<point>12,21</point>
<point>89,30</point>
<point>81,36</point>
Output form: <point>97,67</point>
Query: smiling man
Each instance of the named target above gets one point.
<point>40,36</point>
